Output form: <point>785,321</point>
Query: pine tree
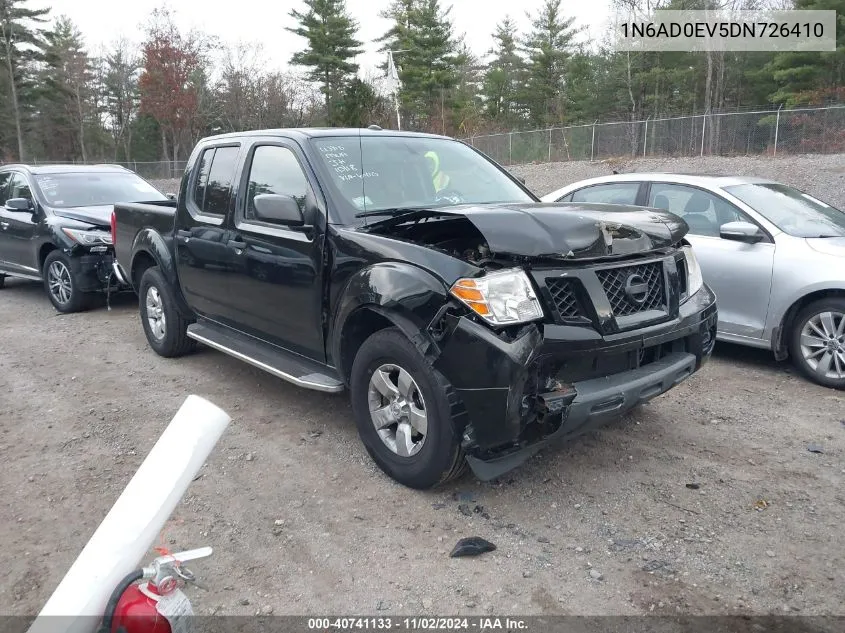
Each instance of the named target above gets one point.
<point>67,86</point>
<point>332,46</point>
<point>428,64</point>
<point>548,46</point>
<point>20,45</point>
<point>505,76</point>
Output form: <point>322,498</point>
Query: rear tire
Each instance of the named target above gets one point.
<point>61,286</point>
<point>165,327</point>
<point>817,342</point>
<point>417,441</point>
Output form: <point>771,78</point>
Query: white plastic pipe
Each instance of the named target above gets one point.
<point>136,519</point>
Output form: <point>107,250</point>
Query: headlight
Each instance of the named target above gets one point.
<point>694,278</point>
<point>501,298</point>
<point>88,238</point>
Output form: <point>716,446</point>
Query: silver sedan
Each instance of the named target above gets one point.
<point>774,255</point>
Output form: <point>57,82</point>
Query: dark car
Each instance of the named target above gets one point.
<point>470,323</point>
<point>54,226</point>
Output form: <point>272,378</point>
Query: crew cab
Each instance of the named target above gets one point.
<point>470,323</point>
<point>54,226</point>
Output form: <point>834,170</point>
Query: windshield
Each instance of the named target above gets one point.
<point>792,211</point>
<point>86,189</point>
<point>378,173</point>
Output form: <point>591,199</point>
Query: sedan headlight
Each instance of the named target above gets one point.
<point>694,277</point>
<point>505,297</point>
<point>87,237</point>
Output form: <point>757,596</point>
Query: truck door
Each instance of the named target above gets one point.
<point>275,288</point>
<point>204,260</point>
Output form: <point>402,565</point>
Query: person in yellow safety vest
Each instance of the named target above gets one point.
<point>439,178</point>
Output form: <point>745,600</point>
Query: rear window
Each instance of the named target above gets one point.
<point>213,185</point>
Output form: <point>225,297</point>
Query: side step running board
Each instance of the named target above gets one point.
<point>287,366</point>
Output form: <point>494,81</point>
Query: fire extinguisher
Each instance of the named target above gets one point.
<point>155,606</point>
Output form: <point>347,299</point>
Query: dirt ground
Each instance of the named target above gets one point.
<point>83,399</point>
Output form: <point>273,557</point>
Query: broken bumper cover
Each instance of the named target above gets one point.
<point>493,378</point>
<point>598,401</point>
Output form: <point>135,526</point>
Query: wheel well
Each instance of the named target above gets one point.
<point>781,345</point>
<point>359,326</point>
<point>142,261</point>
<point>45,250</point>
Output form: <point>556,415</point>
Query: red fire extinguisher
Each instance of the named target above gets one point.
<point>155,606</point>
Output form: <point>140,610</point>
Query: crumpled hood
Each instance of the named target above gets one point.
<point>99,215</point>
<point>569,229</point>
<point>828,245</point>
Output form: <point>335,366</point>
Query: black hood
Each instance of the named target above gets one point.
<point>565,229</point>
<point>99,215</point>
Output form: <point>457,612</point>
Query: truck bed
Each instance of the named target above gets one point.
<point>132,217</point>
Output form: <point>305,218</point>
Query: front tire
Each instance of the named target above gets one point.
<point>165,327</point>
<point>407,414</point>
<point>817,342</point>
<point>61,287</point>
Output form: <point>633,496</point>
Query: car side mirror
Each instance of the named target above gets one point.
<point>19,205</point>
<point>279,209</point>
<point>741,232</point>
<point>170,196</point>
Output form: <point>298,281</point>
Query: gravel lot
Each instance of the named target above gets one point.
<point>302,523</point>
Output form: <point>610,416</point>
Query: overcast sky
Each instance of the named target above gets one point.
<point>264,21</point>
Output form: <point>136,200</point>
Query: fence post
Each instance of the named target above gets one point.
<point>510,148</point>
<point>777,128</point>
<point>645,136</point>
<point>593,142</point>
<point>550,144</point>
<point>703,127</point>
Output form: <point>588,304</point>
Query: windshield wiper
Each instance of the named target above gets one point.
<point>393,212</point>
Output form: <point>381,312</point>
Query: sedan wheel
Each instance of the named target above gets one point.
<point>823,344</point>
<point>817,342</point>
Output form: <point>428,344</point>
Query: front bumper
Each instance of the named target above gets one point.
<point>93,272</point>
<point>554,382</point>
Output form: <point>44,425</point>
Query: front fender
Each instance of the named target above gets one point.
<point>406,295</point>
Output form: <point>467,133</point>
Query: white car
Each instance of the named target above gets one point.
<point>774,255</point>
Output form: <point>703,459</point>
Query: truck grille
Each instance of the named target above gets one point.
<point>563,298</point>
<point>616,281</point>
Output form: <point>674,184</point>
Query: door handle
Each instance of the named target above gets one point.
<point>183,234</point>
<point>237,245</point>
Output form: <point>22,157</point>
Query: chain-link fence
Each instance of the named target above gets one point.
<point>772,132</point>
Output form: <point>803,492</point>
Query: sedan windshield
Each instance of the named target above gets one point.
<point>393,173</point>
<point>792,211</point>
<point>91,189</point>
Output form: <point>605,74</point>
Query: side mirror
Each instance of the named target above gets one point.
<point>170,196</point>
<point>19,205</point>
<point>741,232</point>
<point>279,209</point>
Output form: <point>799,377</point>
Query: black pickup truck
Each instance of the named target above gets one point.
<point>470,323</point>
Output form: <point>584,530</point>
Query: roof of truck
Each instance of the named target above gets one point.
<point>317,132</point>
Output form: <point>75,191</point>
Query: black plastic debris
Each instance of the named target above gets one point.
<point>693,486</point>
<point>472,546</point>
<point>815,448</point>
<point>464,508</point>
<point>438,506</point>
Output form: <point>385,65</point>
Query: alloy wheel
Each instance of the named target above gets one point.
<point>59,282</point>
<point>397,410</point>
<point>155,313</point>
<point>823,344</point>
